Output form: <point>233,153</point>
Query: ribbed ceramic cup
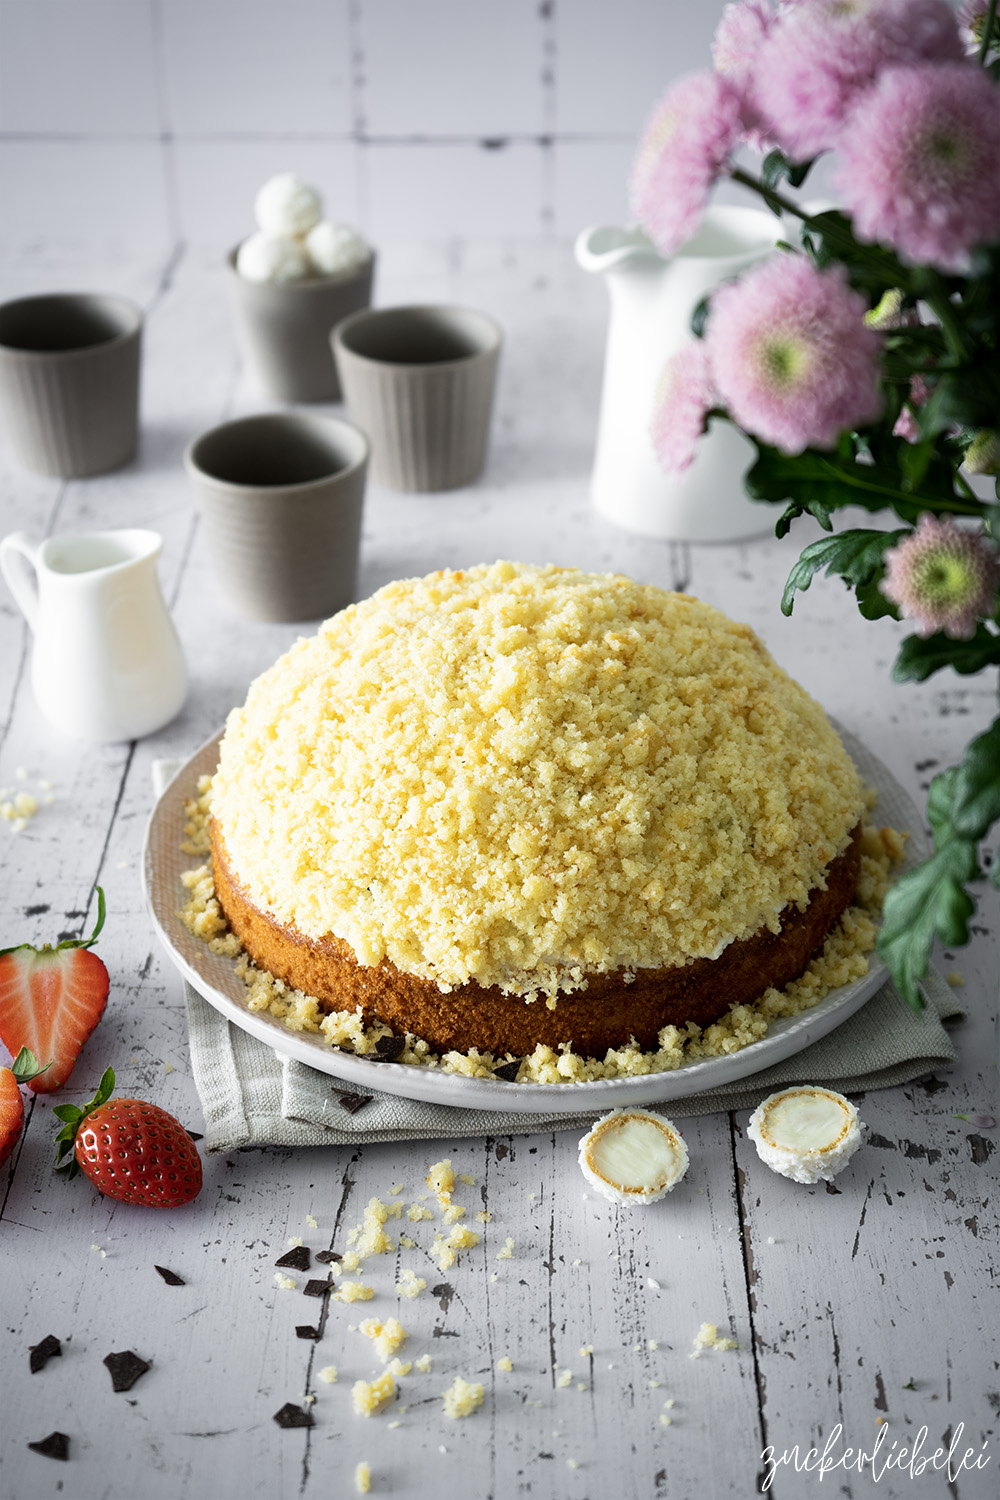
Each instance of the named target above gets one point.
<point>284,329</point>
<point>420,382</point>
<point>69,381</point>
<point>280,497</point>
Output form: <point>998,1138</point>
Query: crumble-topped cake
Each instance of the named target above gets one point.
<point>516,806</point>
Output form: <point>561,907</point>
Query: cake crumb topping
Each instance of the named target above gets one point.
<point>462,1398</point>
<point>608,731</point>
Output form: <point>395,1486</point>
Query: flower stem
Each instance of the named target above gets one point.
<point>941,306</point>
<point>939,504</point>
<point>984,44</point>
<point>770,195</point>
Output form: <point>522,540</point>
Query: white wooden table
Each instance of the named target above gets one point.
<point>869,1304</point>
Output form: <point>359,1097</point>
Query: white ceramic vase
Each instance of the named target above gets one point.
<point>652,299</point>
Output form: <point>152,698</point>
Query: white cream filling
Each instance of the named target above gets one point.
<point>807,1134</point>
<point>633,1156</point>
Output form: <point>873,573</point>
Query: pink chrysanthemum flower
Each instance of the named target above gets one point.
<point>943,578</point>
<point>791,356</point>
<point>971,17</point>
<point>682,151</point>
<point>684,397</point>
<point>920,163</point>
<point>906,425</point>
<point>738,39</point>
<point>819,58</point>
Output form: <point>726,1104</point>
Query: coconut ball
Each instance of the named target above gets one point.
<point>335,247</point>
<point>271,257</point>
<point>287,205</point>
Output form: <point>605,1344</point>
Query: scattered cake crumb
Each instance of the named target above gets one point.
<point>371,1396</point>
<point>423,1364</point>
<point>362,1478</point>
<point>508,1250</point>
<point>667,1421</point>
<point>296,1239</point>
<point>572,1463</point>
<point>445,1250</point>
<point>441,1180</point>
<point>416,1212</point>
<point>955,979</point>
<point>586,1350</point>
<point>350,1261</point>
<point>409,1283</point>
<point>407,1243</point>
<point>396,1188</point>
<point>462,1398</point>
<point>313,1223</point>
<point>467,1178</point>
<point>652,1343</point>
<point>707,1337</point>
<point>565,1378</point>
<point>505,1364</point>
<point>483,1217</point>
<point>387,1337</point>
<point>354,1291</point>
<point>400,1367</point>
<point>328,1374</point>
<point>454,1213</point>
<point>286,1283</point>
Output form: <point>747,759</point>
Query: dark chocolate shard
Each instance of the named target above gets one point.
<point>353,1102</point>
<point>42,1352</point>
<point>293,1416</point>
<point>508,1071</point>
<point>316,1288</point>
<point>390,1048</point>
<point>296,1259</point>
<point>125,1367</point>
<point>306,1331</point>
<point>328,1257</point>
<point>170,1277</point>
<point>56,1445</point>
<point>195,1135</point>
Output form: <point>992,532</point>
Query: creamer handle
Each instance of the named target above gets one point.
<point>19,565</point>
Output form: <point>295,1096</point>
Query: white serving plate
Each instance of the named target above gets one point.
<point>216,979</point>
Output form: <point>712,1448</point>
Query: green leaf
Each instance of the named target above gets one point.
<point>921,656</point>
<point>700,316</point>
<point>821,483</point>
<point>26,1066</point>
<point>975,802</point>
<point>71,1113</point>
<point>872,603</point>
<point>925,903</point>
<point>776,169</point>
<point>855,555</point>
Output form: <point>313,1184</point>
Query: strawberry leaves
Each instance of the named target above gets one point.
<point>73,1117</point>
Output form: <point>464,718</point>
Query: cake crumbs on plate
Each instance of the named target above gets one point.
<point>707,1337</point>
<point>842,960</point>
<point>462,1398</point>
<point>370,1396</point>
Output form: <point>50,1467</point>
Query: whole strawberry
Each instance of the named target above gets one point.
<point>51,998</point>
<point>130,1150</point>
<point>22,1070</point>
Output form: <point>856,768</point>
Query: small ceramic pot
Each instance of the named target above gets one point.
<point>420,381</point>
<point>69,381</point>
<point>284,329</point>
<point>280,497</point>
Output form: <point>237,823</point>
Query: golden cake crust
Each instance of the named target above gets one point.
<point>605,1013</point>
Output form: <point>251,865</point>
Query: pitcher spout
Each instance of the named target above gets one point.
<point>607,247</point>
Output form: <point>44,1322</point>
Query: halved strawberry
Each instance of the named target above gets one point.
<point>133,1151</point>
<point>24,1067</point>
<point>51,999</point>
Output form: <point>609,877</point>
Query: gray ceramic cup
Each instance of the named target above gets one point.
<point>420,382</point>
<point>284,329</point>
<point>280,497</point>
<point>69,381</point>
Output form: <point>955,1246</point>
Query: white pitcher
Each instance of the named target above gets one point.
<point>652,300</point>
<point>107,663</point>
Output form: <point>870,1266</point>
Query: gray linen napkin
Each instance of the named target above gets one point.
<point>251,1096</point>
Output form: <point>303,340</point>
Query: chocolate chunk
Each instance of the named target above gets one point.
<point>316,1288</point>
<point>306,1331</point>
<point>296,1259</point>
<point>508,1071</point>
<point>56,1445</point>
<point>125,1369</point>
<point>195,1135</point>
<point>44,1351</point>
<point>353,1102</point>
<point>293,1416</point>
<point>390,1048</point>
<point>327,1257</point>
<point>170,1277</point>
